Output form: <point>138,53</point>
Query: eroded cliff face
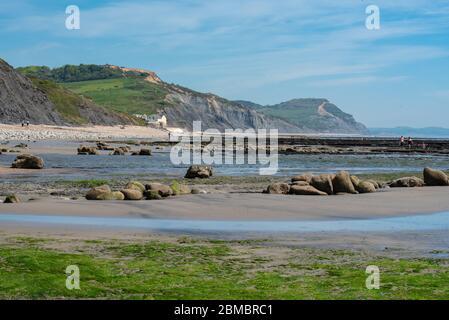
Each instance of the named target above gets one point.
<point>312,115</point>
<point>45,102</point>
<point>20,100</point>
<point>217,113</point>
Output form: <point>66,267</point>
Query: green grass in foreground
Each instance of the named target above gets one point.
<point>200,269</point>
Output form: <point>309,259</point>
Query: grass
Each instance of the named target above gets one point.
<point>127,95</point>
<point>201,269</point>
<point>67,103</point>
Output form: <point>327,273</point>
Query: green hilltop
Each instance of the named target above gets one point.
<point>121,90</point>
<point>127,95</point>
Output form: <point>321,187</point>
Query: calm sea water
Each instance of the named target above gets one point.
<point>73,167</point>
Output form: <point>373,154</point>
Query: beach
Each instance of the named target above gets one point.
<point>250,206</point>
<point>230,229</point>
<point>50,132</point>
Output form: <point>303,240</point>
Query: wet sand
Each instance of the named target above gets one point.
<point>388,203</point>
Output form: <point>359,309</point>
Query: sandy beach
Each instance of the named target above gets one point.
<point>241,206</point>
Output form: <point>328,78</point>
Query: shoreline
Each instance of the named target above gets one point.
<point>250,206</point>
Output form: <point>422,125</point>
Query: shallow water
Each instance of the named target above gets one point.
<point>159,165</point>
<point>432,222</point>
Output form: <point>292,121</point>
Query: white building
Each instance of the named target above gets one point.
<point>153,119</point>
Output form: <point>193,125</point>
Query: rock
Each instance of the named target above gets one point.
<point>12,199</point>
<point>142,152</point>
<point>278,188</point>
<point>21,145</point>
<point>407,182</point>
<point>87,150</point>
<point>435,177</point>
<point>196,191</point>
<point>116,195</point>
<point>118,152</point>
<point>135,185</point>
<point>300,183</point>
<point>197,171</point>
<point>132,194</point>
<point>365,187</point>
<point>95,192</point>
<point>152,195</point>
<point>28,161</point>
<point>179,189</point>
<point>304,177</point>
<point>306,191</point>
<point>376,184</point>
<point>355,180</point>
<point>161,189</point>
<point>323,183</point>
<point>342,183</point>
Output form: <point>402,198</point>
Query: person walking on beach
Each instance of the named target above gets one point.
<point>401,141</point>
<point>28,123</point>
<point>410,142</point>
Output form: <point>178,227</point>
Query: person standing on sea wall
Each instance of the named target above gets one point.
<point>401,141</point>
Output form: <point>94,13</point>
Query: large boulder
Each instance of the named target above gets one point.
<point>135,185</point>
<point>132,194</point>
<point>278,188</point>
<point>435,177</point>
<point>152,195</point>
<point>342,183</point>
<point>323,183</point>
<point>303,177</point>
<point>365,187</point>
<point>96,192</point>
<point>376,184</point>
<point>306,191</point>
<point>12,199</point>
<point>179,189</point>
<point>28,161</point>
<point>197,171</point>
<point>115,195</point>
<point>407,182</point>
<point>161,189</point>
<point>355,180</point>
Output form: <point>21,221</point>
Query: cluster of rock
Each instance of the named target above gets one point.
<point>135,190</point>
<point>119,151</point>
<point>4,150</point>
<point>28,161</point>
<point>324,184</point>
<point>432,177</point>
<point>198,171</point>
<point>86,150</point>
<point>343,182</point>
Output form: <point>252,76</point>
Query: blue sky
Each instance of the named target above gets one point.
<point>265,51</point>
